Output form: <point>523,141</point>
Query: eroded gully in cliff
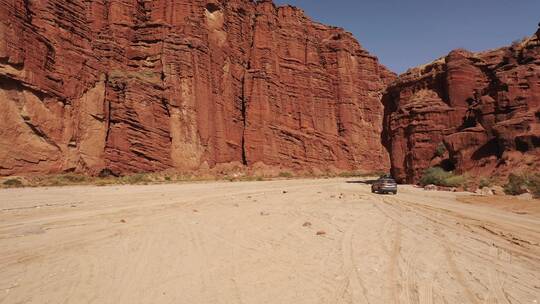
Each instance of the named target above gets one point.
<point>244,101</point>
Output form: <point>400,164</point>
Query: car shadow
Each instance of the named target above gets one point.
<point>365,182</point>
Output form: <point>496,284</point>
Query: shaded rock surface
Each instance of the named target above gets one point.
<point>139,86</point>
<point>471,112</point>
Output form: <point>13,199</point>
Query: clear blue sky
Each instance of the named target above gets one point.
<point>406,33</point>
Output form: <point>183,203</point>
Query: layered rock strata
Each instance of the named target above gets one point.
<point>142,86</point>
<point>475,113</point>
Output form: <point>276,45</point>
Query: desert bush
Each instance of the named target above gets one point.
<point>249,178</point>
<point>485,182</point>
<point>13,183</point>
<point>285,174</point>
<point>434,176</point>
<point>135,179</point>
<point>106,173</point>
<point>440,150</point>
<point>534,185</point>
<point>438,176</point>
<point>350,174</point>
<point>71,178</point>
<point>61,180</point>
<point>103,183</point>
<point>455,181</point>
<point>521,183</point>
<point>516,185</point>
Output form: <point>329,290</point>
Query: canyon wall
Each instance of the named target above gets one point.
<point>475,113</point>
<point>142,86</point>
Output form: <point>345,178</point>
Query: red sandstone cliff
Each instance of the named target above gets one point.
<point>483,107</point>
<point>134,86</point>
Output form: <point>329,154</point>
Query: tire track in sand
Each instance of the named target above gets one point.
<point>496,285</point>
<point>353,282</point>
<point>394,213</point>
<point>416,290</point>
<point>394,272</point>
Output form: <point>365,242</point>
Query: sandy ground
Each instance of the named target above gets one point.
<point>257,243</point>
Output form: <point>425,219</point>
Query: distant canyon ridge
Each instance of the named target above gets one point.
<point>475,113</point>
<point>144,86</point>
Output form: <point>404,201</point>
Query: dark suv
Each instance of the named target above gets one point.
<point>384,184</point>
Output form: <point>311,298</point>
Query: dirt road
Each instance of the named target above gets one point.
<point>257,243</point>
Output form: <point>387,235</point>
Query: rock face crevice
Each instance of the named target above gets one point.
<point>142,86</point>
<point>470,112</point>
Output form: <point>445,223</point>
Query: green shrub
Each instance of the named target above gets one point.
<point>102,183</point>
<point>517,184</point>
<point>64,180</point>
<point>534,185</point>
<point>349,174</point>
<point>434,176</point>
<point>13,183</point>
<point>455,181</point>
<point>72,178</point>
<point>106,173</point>
<point>485,182</point>
<point>440,150</point>
<point>249,178</point>
<point>134,179</point>
<point>285,174</point>
<point>438,176</point>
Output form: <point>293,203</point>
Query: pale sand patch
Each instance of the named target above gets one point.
<point>249,243</point>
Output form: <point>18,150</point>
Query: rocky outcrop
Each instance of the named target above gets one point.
<point>471,112</point>
<point>138,86</point>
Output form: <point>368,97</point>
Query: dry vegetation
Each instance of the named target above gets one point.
<point>72,179</point>
<point>522,183</point>
<point>439,177</point>
<point>515,184</point>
